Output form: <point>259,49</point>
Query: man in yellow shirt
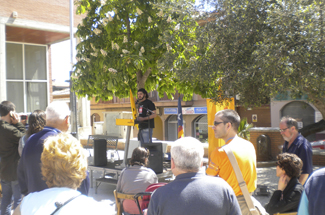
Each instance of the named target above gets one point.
<point>225,126</point>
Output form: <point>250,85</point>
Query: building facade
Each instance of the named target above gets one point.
<point>28,28</point>
<point>194,115</point>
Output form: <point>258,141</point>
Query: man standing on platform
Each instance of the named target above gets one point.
<point>225,126</point>
<point>11,130</point>
<point>147,113</point>
<point>295,143</point>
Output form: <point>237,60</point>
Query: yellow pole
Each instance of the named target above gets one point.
<point>212,109</point>
<point>133,108</point>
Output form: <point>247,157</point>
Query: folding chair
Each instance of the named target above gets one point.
<point>134,198</point>
<point>287,213</point>
<point>145,197</point>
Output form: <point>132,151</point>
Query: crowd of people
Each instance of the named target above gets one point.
<point>49,168</point>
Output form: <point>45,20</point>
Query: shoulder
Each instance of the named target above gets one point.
<point>146,169</point>
<point>149,102</point>
<point>6,126</point>
<point>148,172</point>
<point>217,182</point>
<point>299,187</point>
<point>43,134</point>
<point>240,140</point>
<point>302,141</point>
<point>218,153</point>
<point>316,178</point>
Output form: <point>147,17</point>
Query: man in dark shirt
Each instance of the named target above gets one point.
<point>147,113</point>
<point>29,169</point>
<point>11,130</point>
<point>295,143</point>
<point>192,192</point>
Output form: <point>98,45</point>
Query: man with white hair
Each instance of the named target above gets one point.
<point>192,192</point>
<point>29,169</point>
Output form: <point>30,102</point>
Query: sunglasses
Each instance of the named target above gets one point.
<point>217,123</point>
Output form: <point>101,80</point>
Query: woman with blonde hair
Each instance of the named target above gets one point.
<point>64,165</point>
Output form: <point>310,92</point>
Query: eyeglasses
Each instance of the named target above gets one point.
<point>217,123</point>
<point>283,130</point>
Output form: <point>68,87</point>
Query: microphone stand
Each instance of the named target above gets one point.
<point>150,111</point>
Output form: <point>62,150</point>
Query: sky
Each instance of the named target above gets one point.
<point>60,53</point>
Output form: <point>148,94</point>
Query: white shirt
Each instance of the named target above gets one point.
<point>43,202</point>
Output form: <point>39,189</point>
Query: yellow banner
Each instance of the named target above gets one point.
<point>133,108</point>
<point>212,109</point>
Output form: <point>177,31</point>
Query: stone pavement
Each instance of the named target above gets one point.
<point>265,176</point>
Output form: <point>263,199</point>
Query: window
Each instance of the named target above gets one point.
<point>201,128</point>
<point>303,113</point>
<point>27,79</point>
<point>171,128</point>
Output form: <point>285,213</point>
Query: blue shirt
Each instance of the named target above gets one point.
<point>29,169</point>
<point>194,193</point>
<point>312,201</point>
<point>302,148</point>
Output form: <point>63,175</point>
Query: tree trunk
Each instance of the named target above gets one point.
<point>142,78</point>
<point>319,103</point>
<point>313,128</point>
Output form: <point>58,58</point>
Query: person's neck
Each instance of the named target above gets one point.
<point>56,126</point>
<point>292,139</point>
<point>142,100</point>
<point>229,136</point>
<point>6,118</point>
<point>178,171</point>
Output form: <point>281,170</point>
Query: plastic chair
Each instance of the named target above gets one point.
<point>129,199</point>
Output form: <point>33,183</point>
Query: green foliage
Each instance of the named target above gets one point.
<point>258,49</point>
<point>243,129</point>
<point>122,42</point>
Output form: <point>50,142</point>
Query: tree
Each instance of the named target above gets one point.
<point>259,49</point>
<point>122,44</point>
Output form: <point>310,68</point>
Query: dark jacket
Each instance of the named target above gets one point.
<point>9,139</point>
<point>29,170</point>
<point>194,193</point>
<point>290,200</point>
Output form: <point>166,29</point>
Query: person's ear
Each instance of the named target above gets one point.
<point>172,164</point>
<point>66,120</point>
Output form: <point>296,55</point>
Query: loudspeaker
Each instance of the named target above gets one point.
<point>100,156</point>
<point>155,156</point>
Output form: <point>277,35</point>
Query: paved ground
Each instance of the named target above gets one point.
<point>265,176</point>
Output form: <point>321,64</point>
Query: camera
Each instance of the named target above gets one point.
<point>23,117</point>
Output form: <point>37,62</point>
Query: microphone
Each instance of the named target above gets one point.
<point>137,102</point>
